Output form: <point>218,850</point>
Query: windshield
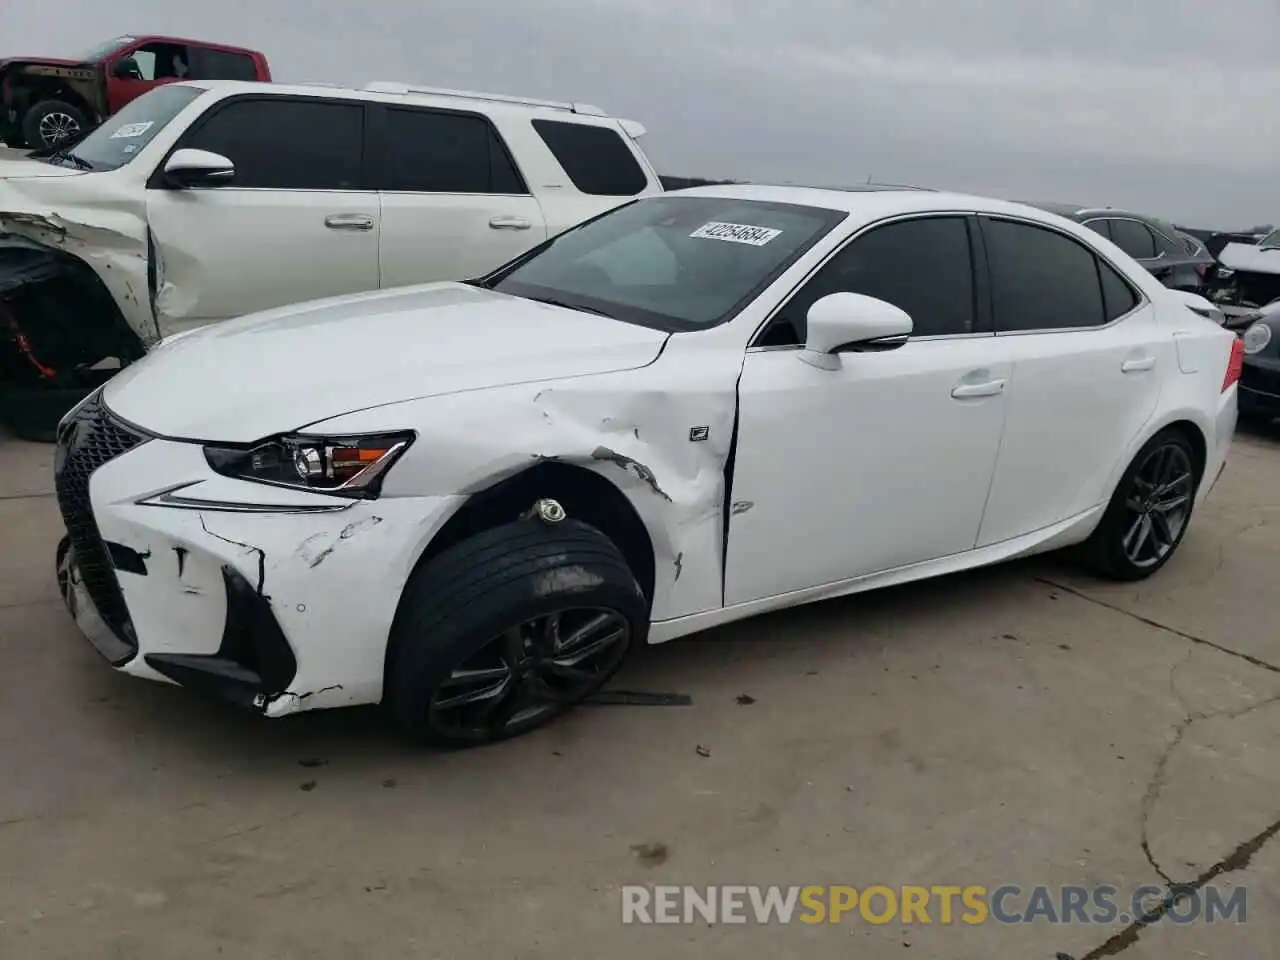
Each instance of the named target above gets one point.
<point>119,140</point>
<point>673,263</point>
<point>1271,240</point>
<point>104,50</point>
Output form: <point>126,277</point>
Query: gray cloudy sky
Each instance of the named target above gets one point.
<point>1168,106</point>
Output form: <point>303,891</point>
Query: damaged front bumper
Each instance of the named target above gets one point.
<point>274,599</point>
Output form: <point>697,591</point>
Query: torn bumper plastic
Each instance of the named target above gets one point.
<point>274,599</point>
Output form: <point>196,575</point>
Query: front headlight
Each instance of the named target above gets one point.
<point>1256,338</point>
<point>346,466</point>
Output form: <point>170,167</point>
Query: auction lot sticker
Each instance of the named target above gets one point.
<point>736,233</point>
<point>131,130</point>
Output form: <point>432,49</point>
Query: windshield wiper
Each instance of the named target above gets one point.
<point>59,155</point>
<point>551,301</point>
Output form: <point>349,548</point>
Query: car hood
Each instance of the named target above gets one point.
<point>23,169</point>
<point>42,61</point>
<point>1249,258</point>
<point>280,370</point>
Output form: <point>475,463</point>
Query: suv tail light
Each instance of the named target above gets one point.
<point>1235,365</point>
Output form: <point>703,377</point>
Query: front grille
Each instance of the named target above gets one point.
<point>90,439</point>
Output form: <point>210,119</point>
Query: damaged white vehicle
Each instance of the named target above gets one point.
<point>203,201</point>
<point>469,501</point>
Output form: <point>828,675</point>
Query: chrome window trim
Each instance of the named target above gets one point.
<point>910,339</point>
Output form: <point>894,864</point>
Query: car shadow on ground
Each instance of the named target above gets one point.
<point>719,664</point>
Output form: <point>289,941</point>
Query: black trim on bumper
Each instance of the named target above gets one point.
<point>253,664</point>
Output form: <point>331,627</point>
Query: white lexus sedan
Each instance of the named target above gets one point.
<point>471,500</point>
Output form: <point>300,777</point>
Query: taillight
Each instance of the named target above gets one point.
<point>1235,366</point>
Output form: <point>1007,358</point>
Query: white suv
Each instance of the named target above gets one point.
<point>204,201</point>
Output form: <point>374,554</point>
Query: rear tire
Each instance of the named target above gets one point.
<point>49,122</point>
<point>495,636</point>
<point>1149,512</point>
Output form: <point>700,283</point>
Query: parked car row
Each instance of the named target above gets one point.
<point>202,201</point>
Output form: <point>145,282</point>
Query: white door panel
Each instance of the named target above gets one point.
<point>439,236</point>
<point>224,252</point>
<point>1076,401</point>
<point>883,462</point>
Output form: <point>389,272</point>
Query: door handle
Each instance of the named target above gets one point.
<point>510,223</point>
<point>989,389</point>
<point>1138,366</point>
<point>348,221</point>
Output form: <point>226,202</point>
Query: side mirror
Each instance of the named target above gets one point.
<point>843,322</point>
<point>198,168</point>
<point>126,68</point>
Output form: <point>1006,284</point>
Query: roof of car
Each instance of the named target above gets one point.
<point>867,201</point>
<point>422,96</point>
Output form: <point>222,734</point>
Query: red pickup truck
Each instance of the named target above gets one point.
<point>44,101</point>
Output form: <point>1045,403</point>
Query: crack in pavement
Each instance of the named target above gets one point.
<point>1247,657</point>
<point>1240,857</point>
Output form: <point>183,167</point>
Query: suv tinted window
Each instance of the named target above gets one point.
<point>595,158</point>
<point>1133,238</point>
<point>446,153</point>
<point>1041,279</point>
<point>221,65</point>
<point>922,266</point>
<point>287,143</point>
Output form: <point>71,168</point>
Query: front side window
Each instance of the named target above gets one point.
<point>436,152</point>
<point>161,61</point>
<point>287,143</point>
<point>923,266</point>
<point>1042,279</point>
<point>672,263</point>
<point>594,157</point>
<point>125,134</point>
<point>1133,238</point>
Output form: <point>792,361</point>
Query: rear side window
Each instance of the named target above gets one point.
<point>287,143</point>
<point>1099,227</point>
<point>221,65</point>
<point>595,158</point>
<point>1167,243</point>
<point>1133,238</point>
<point>1041,279</point>
<point>1118,298</point>
<point>434,152</point>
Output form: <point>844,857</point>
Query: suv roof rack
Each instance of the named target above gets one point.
<point>394,87</point>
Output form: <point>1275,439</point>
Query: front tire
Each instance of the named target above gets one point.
<point>506,631</point>
<point>1149,511</point>
<point>50,122</point>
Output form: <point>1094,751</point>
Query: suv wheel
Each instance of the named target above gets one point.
<point>50,122</point>
<point>503,632</point>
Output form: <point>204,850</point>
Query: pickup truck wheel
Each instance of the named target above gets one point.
<point>509,629</point>
<point>50,122</point>
<point>1149,512</point>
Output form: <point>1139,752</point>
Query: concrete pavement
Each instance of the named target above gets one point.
<point>1021,725</point>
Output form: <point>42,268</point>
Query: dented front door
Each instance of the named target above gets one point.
<point>295,224</point>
